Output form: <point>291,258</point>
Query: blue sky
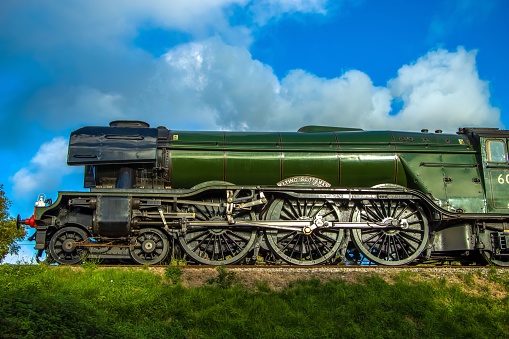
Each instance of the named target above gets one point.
<point>238,65</point>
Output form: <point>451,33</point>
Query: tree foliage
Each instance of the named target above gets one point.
<point>9,233</point>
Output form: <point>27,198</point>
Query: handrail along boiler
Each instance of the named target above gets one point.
<point>322,195</point>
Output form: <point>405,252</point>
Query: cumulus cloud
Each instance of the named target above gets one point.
<point>222,86</point>
<point>49,25</point>
<point>78,63</point>
<point>213,84</point>
<point>443,90</point>
<point>45,170</point>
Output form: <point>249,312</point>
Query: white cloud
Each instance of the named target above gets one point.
<point>46,27</point>
<point>349,100</point>
<point>442,90</point>
<point>88,70</point>
<point>45,170</point>
<point>222,86</point>
<point>214,85</point>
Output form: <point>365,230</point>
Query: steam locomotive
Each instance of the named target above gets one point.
<point>322,195</point>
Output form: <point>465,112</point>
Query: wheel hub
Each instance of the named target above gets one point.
<point>68,245</point>
<point>149,246</point>
<point>395,223</point>
<point>317,222</point>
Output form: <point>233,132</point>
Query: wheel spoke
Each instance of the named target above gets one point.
<point>407,216</point>
<point>323,244</point>
<point>318,210</point>
<point>402,246</point>
<point>403,210</point>
<point>227,245</point>
<point>152,247</point>
<point>409,244</point>
<point>201,242</point>
<point>217,246</point>
<point>63,245</point>
<point>325,237</point>
<point>200,234</point>
<point>380,214</point>
<point>370,215</point>
<point>390,246</point>
<point>227,235</point>
<point>377,234</point>
<point>294,236</point>
<point>395,247</point>
<point>296,247</point>
<point>395,210</point>
<point>382,237</point>
<point>320,254</point>
<point>410,237</point>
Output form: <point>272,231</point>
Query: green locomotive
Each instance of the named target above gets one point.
<point>321,195</point>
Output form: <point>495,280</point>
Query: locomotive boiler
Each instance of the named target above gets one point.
<point>322,195</point>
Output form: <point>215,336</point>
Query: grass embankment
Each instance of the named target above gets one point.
<point>46,302</point>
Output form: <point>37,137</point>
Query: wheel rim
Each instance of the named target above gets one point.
<point>64,248</point>
<point>298,248</point>
<point>151,247</point>
<point>395,246</point>
<point>217,246</point>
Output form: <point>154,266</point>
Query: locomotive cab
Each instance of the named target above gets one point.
<point>495,163</point>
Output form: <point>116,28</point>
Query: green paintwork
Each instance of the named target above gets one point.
<point>442,165</point>
<point>450,168</point>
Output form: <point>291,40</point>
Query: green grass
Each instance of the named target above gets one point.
<point>48,302</point>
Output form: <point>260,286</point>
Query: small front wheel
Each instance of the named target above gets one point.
<point>65,244</point>
<point>151,247</point>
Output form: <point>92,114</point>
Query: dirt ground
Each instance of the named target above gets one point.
<point>471,280</point>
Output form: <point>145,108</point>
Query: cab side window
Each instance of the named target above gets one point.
<point>496,150</point>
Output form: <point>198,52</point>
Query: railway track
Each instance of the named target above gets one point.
<point>315,268</point>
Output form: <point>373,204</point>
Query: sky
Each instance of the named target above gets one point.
<point>265,65</point>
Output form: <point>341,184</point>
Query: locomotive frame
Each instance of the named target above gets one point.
<point>323,195</point>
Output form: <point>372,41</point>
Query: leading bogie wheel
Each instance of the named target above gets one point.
<point>64,246</point>
<point>151,247</point>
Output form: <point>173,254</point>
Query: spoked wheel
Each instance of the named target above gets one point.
<point>64,245</point>
<point>151,247</point>
<point>296,247</point>
<point>212,245</point>
<point>398,245</point>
